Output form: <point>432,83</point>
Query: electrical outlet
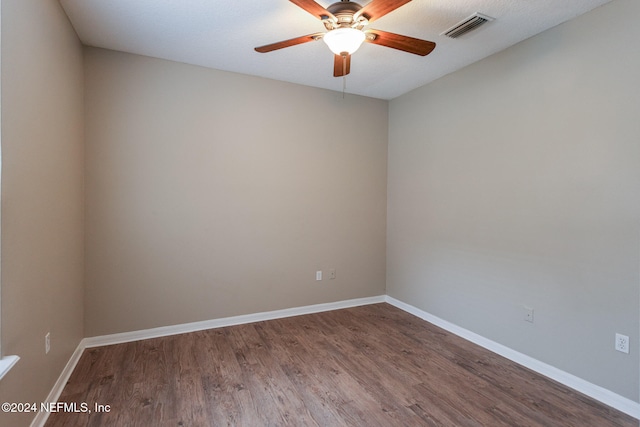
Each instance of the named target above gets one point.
<point>622,343</point>
<point>528,314</point>
<point>47,343</point>
<point>332,273</point>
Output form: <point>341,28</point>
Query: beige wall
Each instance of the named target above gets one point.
<point>213,194</point>
<point>42,197</point>
<point>516,181</point>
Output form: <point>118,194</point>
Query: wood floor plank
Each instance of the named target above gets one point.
<point>318,371</point>
<point>373,365</point>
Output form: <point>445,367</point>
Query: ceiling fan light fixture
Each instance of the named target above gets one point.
<point>343,40</point>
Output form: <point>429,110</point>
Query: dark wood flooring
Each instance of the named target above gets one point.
<point>366,366</point>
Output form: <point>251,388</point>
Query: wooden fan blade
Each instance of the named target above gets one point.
<point>376,9</point>
<point>313,8</point>
<point>397,41</point>
<point>291,42</point>
<point>341,65</point>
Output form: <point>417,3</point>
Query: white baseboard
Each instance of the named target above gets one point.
<point>55,392</point>
<point>226,321</point>
<point>603,395</point>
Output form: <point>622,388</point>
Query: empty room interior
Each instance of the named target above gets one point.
<point>484,220</point>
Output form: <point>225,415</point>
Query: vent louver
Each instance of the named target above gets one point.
<point>466,25</point>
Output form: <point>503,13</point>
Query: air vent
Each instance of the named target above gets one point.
<point>466,25</point>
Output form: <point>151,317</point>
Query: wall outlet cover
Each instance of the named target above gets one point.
<point>622,343</point>
<point>528,314</point>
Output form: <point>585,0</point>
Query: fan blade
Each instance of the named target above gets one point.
<point>397,41</point>
<point>314,8</point>
<point>376,9</point>
<point>291,42</point>
<point>341,65</point>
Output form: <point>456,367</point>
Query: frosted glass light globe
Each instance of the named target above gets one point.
<point>343,40</point>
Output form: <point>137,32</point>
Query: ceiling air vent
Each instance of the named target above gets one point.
<point>466,25</point>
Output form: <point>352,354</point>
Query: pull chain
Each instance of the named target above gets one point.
<point>344,74</point>
<point>344,85</point>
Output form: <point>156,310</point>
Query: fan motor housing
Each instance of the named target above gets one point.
<point>343,11</point>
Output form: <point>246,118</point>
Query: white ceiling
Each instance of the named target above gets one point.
<point>222,34</point>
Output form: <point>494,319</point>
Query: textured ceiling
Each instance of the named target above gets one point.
<point>222,34</point>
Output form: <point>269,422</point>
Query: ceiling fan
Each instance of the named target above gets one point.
<point>345,22</point>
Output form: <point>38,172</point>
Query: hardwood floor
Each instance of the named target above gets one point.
<point>366,366</point>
